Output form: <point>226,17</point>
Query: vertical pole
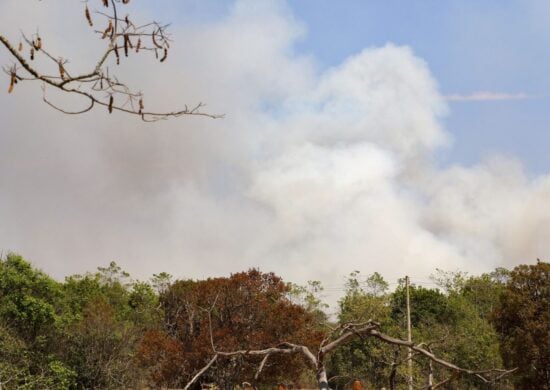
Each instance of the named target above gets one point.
<point>431,376</point>
<point>409,337</point>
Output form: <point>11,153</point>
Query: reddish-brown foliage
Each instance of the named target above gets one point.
<point>248,310</point>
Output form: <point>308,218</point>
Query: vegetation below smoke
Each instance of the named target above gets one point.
<point>104,330</point>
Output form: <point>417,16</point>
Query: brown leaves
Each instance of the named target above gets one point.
<point>248,310</point>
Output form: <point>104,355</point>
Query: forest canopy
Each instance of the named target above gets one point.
<point>106,330</point>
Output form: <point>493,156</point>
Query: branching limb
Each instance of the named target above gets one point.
<point>201,372</point>
<point>480,374</point>
<point>261,367</point>
<point>345,334</point>
<point>98,85</point>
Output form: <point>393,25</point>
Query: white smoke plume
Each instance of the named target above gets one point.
<point>311,174</point>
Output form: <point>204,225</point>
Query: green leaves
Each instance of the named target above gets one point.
<point>27,298</point>
<point>523,322</point>
<point>105,330</point>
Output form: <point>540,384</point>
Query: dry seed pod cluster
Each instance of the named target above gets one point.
<point>122,34</point>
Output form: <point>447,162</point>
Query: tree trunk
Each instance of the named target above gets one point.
<point>322,377</point>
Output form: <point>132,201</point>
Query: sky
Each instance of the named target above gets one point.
<point>396,137</point>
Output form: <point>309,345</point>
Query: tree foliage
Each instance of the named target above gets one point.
<point>248,310</point>
<point>106,330</point>
<point>523,322</point>
<point>448,323</point>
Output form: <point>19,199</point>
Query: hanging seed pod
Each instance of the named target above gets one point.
<point>32,53</point>
<point>111,101</point>
<point>61,69</point>
<point>38,43</point>
<point>138,45</point>
<point>20,46</point>
<point>107,30</point>
<point>153,37</point>
<point>164,55</point>
<point>126,45</point>
<point>13,81</point>
<point>140,105</point>
<point>101,83</point>
<point>129,42</point>
<point>125,1</point>
<point>106,3</point>
<point>117,55</point>
<point>156,54</point>
<point>127,20</point>
<point>88,16</point>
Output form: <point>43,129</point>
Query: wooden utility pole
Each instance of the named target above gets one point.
<point>409,336</point>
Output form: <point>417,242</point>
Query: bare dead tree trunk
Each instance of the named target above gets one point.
<point>322,378</point>
<point>430,376</point>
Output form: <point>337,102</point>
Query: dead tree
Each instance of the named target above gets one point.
<point>336,339</point>
<point>99,86</point>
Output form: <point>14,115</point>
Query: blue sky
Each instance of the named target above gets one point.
<point>469,45</point>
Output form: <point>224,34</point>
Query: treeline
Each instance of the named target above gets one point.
<point>104,330</point>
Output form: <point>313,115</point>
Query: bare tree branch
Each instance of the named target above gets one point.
<point>98,86</point>
<point>348,331</point>
<point>261,367</point>
<point>201,372</point>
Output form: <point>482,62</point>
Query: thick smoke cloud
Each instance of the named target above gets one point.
<point>311,174</point>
